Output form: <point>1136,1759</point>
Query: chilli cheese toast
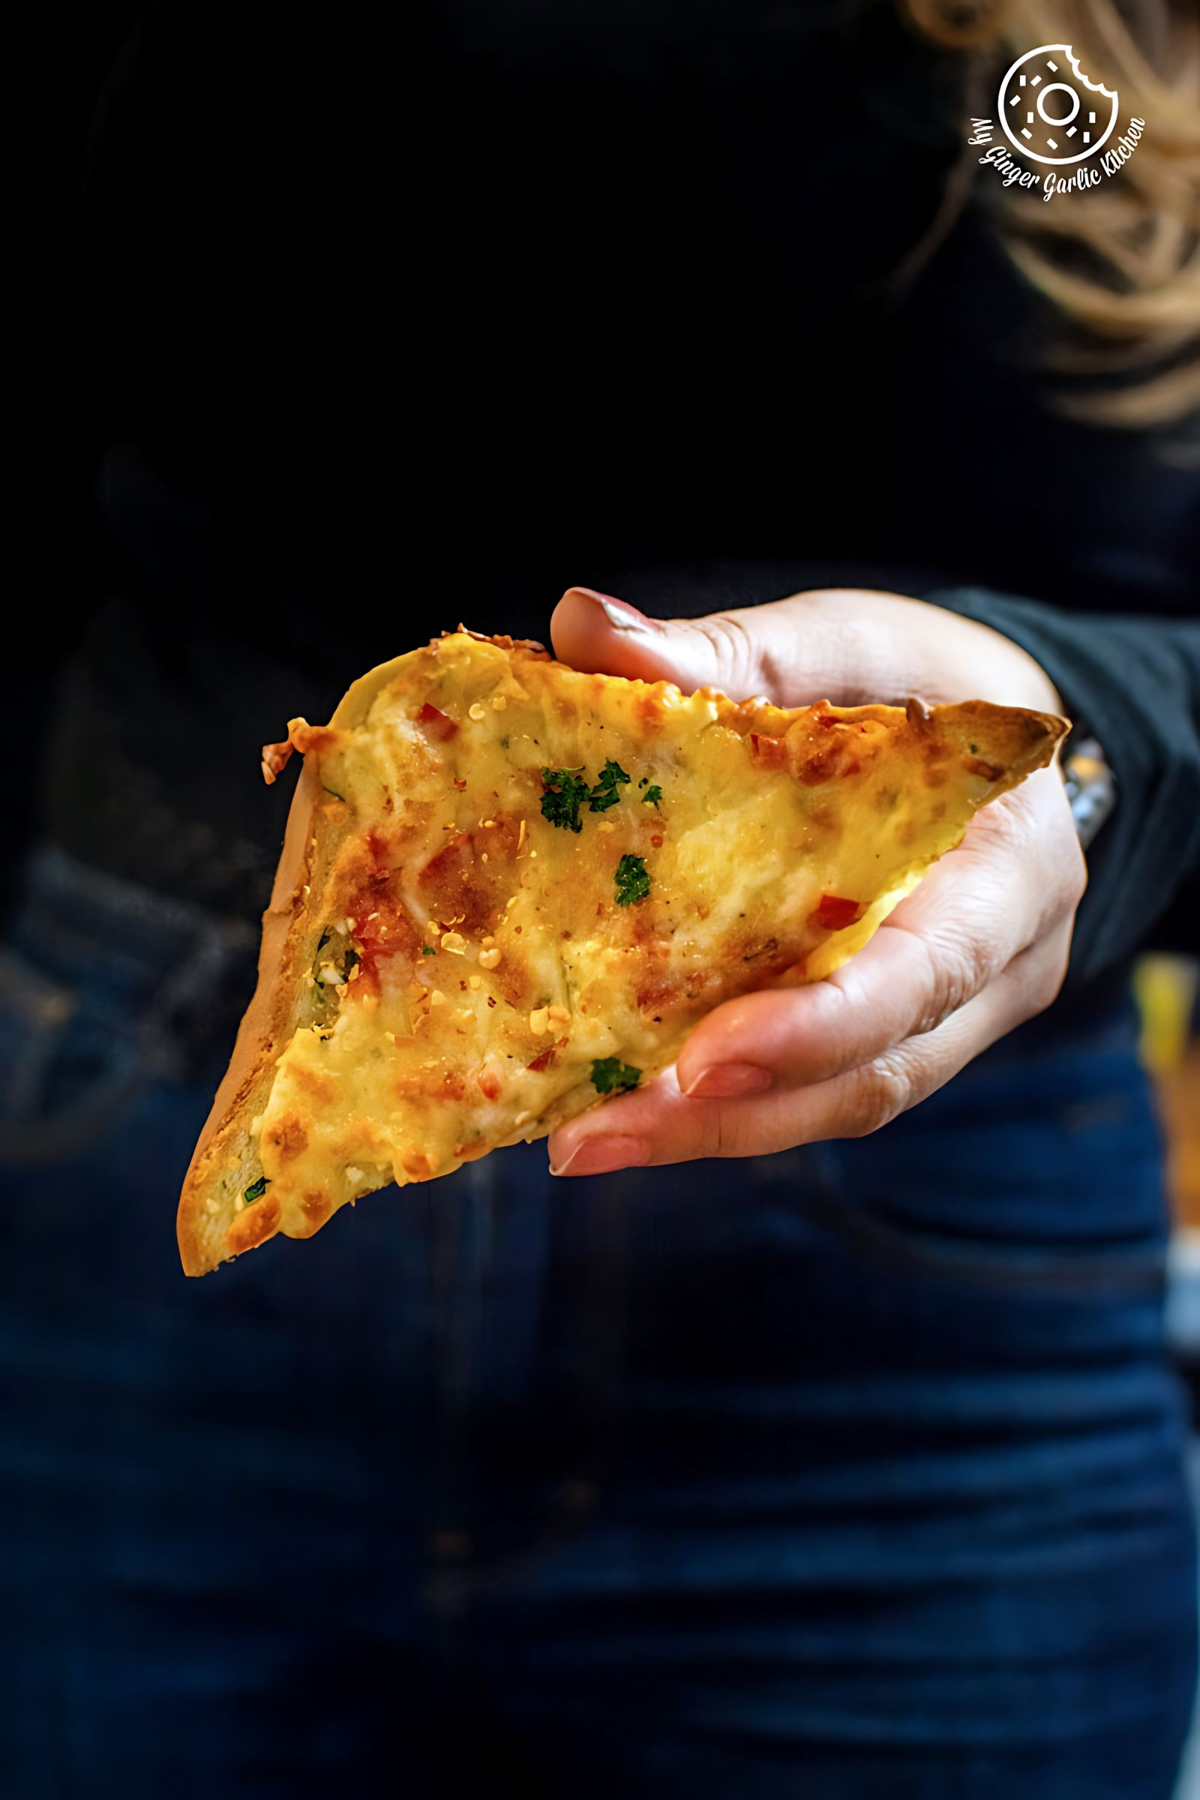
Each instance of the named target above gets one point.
<point>508,889</point>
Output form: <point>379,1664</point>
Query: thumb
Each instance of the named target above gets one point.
<point>847,645</point>
<point>795,651</point>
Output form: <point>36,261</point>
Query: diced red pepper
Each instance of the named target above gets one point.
<point>833,913</point>
<point>436,724</point>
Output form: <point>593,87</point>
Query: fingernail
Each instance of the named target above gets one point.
<point>620,615</point>
<point>726,1081</point>
<point>601,1155</point>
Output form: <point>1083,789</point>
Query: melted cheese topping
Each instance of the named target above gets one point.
<point>471,960</point>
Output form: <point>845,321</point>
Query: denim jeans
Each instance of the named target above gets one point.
<point>854,1471</point>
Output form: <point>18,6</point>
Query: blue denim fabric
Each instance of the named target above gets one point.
<point>851,1472</point>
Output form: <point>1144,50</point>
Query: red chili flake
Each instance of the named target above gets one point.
<point>547,1056</point>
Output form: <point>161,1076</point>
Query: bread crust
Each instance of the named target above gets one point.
<point>266,1024</point>
<point>212,1222</point>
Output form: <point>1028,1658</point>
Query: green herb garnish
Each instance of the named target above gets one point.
<point>606,791</point>
<point>633,883</point>
<point>611,1076</point>
<point>652,795</point>
<point>565,794</point>
<point>428,950</point>
<point>256,1190</point>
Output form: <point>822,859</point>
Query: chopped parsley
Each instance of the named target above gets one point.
<point>633,883</point>
<point>565,794</point>
<point>256,1190</point>
<point>606,792</point>
<point>611,1076</point>
<point>428,950</point>
<point>567,789</point>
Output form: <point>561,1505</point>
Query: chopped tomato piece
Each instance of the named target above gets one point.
<point>383,929</point>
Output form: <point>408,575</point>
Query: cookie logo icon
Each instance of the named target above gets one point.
<point>1049,109</point>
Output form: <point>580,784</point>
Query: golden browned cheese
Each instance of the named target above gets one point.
<point>508,886</point>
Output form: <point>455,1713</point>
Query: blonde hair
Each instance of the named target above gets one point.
<point>1121,262</point>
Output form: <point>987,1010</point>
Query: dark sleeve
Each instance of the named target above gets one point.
<point>1134,684</point>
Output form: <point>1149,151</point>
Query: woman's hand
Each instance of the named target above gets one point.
<point>978,948</point>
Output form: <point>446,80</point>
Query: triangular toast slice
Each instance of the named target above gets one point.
<point>508,888</point>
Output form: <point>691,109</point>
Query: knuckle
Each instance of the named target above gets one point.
<point>1004,822</point>
<point>959,967</point>
<point>1043,990</point>
<point>731,1133</point>
<point>1069,862</point>
<point>844,1002</point>
<point>712,1130</point>
<point>964,967</point>
<point>878,1092</point>
<point>733,649</point>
